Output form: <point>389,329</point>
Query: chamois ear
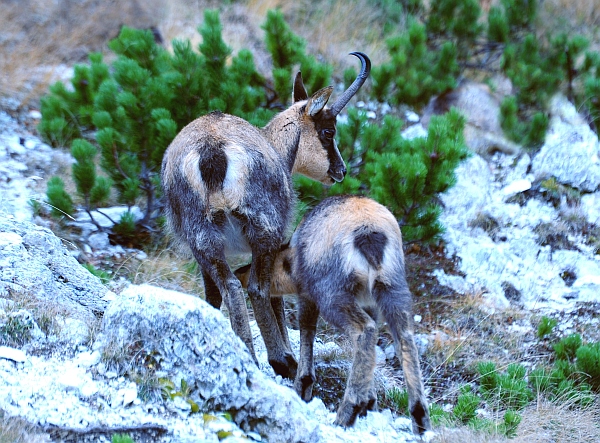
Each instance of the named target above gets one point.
<point>318,101</point>
<point>299,92</point>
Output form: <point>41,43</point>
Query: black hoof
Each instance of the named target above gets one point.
<point>420,416</point>
<point>304,387</point>
<point>286,368</point>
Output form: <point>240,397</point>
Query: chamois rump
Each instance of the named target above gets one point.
<point>228,191</point>
<point>345,261</point>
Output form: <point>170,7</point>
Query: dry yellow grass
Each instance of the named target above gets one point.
<point>577,12</point>
<point>558,423</point>
<point>332,29</point>
<point>17,430</point>
<point>543,422</point>
<point>37,36</point>
<point>463,434</point>
<point>167,269</point>
<point>37,48</point>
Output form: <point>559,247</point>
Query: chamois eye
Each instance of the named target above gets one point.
<point>327,133</point>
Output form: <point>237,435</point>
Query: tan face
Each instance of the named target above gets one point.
<point>318,155</point>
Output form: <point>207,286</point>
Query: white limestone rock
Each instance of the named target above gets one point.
<point>571,149</point>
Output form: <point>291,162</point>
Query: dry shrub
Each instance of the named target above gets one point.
<point>47,314</point>
<point>541,423</point>
<point>577,12</point>
<point>464,434</point>
<point>333,29</point>
<point>37,36</point>
<point>559,423</point>
<point>166,269</point>
<point>466,333</point>
<point>17,430</point>
<point>40,39</point>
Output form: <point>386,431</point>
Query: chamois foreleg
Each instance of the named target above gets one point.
<point>308,314</point>
<point>279,353</point>
<point>395,304</point>
<point>360,395</point>
<point>211,291</point>
<point>278,305</point>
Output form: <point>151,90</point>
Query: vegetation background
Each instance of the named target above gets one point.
<point>472,400</point>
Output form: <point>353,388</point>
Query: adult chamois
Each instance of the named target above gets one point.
<point>228,190</point>
<point>345,261</point>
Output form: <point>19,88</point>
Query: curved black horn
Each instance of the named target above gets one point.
<point>356,84</point>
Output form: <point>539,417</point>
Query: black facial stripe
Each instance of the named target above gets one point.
<point>326,121</point>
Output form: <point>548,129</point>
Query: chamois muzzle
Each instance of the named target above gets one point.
<point>337,174</point>
<point>356,84</point>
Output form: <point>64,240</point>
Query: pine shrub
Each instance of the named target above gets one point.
<point>414,73</point>
<point>404,175</point>
<point>588,362</point>
<point>539,379</point>
<point>466,405</point>
<point>408,175</point>
<point>545,327</point>
<point>456,21</point>
<point>137,106</point>
<point>566,348</point>
<point>60,201</point>
<point>288,51</point>
<point>121,438</point>
<point>510,390</point>
<point>67,113</point>
<point>399,398</point>
<point>590,97</point>
<point>511,421</point>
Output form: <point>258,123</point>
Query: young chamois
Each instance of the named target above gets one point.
<point>345,261</point>
<point>228,191</point>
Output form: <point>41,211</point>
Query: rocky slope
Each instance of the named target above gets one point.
<point>522,227</point>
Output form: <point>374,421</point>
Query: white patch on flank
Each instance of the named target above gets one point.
<point>236,176</point>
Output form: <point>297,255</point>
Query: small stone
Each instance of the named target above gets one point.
<point>516,187</point>
<point>87,359</point>
<point>411,117</point>
<point>12,354</point>
<point>35,114</point>
<point>109,296</point>
<point>390,352</point>
<point>254,436</point>
<point>379,356</point>
<point>89,389</point>
<point>129,396</point>
<point>72,379</point>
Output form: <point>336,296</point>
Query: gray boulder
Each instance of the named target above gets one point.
<point>481,108</point>
<point>194,342</point>
<point>571,149</point>
<point>33,261</point>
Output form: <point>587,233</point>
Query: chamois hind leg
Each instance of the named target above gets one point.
<point>360,395</point>
<point>211,291</point>
<point>280,355</point>
<point>278,305</point>
<point>308,314</point>
<point>213,263</point>
<point>396,306</point>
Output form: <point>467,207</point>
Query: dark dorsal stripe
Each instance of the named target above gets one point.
<point>371,245</point>
<point>213,164</point>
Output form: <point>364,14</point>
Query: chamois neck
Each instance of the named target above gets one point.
<point>283,131</point>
